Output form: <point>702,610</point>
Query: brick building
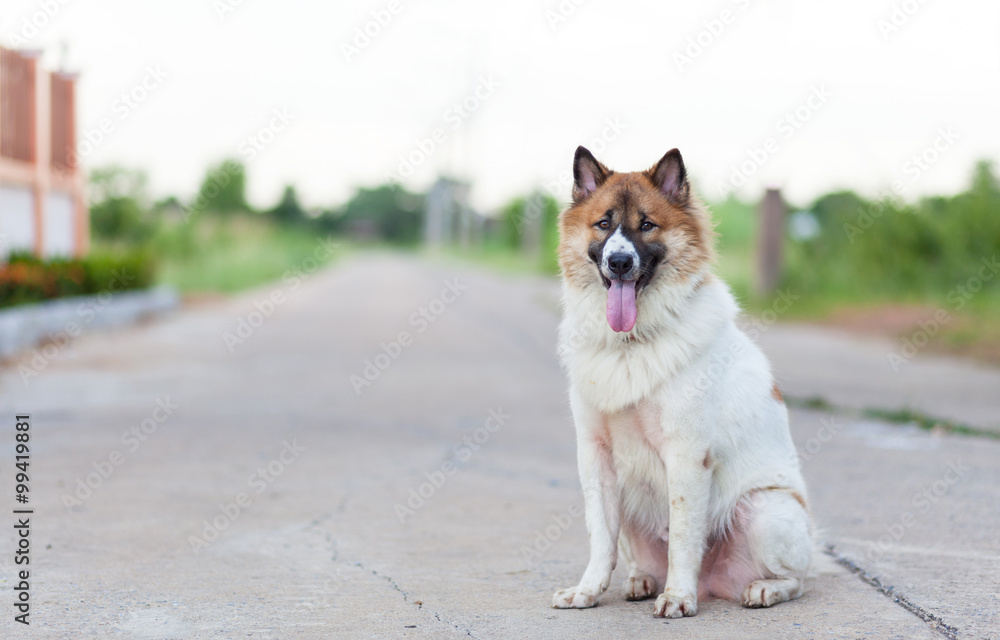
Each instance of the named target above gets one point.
<point>42,205</point>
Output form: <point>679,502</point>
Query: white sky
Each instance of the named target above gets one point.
<point>557,88</point>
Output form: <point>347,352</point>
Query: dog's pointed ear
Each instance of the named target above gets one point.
<point>588,174</point>
<point>670,177</point>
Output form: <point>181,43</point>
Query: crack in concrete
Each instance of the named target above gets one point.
<point>933,621</point>
<point>332,547</point>
<point>420,604</point>
<point>327,536</point>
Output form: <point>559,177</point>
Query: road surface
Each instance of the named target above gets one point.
<point>387,452</point>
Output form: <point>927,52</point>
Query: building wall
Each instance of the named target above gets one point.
<point>60,230</point>
<point>42,206</point>
<point>17,220</point>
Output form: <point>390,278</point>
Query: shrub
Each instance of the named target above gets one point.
<point>118,212</point>
<point>890,248</point>
<point>26,278</point>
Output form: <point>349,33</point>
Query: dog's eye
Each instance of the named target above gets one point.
<point>603,223</point>
<point>647,226</point>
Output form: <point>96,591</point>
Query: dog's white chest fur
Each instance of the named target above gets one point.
<point>635,439</point>
<point>614,371</point>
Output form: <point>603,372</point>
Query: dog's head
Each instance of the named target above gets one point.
<point>632,233</point>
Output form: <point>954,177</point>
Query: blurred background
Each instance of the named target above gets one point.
<point>389,173</point>
<point>846,150</point>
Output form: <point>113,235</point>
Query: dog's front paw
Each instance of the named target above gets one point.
<point>574,598</point>
<point>639,587</point>
<point>672,605</point>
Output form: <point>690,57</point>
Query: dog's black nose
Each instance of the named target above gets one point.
<point>620,263</point>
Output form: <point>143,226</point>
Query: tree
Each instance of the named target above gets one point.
<point>388,211</point>
<point>115,181</point>
<point>532,222</point>
<point>223,189</point>
<point>288,210</point>
<point>118,210</point>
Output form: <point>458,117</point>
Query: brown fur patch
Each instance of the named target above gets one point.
<point>776,393</point>
<point>792,492</point>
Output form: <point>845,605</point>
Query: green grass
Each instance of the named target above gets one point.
<point>736,226</point>
<point>497,257</point>
<point>905,416</point>
<point>910,416</point>
<point>233,253</point>
<point>813,402</point>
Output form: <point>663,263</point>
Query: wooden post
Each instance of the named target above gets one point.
<point>770,237</point>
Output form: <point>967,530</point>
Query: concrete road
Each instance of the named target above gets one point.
<point>218,475</point>
<point>877,373</point>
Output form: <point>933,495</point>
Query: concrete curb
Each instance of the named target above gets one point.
<point>23,327</point>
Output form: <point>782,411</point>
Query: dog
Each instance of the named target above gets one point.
<point>685,457</point>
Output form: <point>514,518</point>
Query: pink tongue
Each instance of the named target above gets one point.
<point>621,305</point>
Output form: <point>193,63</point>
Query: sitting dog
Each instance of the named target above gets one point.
<point>684,452</point>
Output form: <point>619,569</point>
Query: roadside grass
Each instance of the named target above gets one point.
<point>970,329</point>
<point>905,416</point>
<point>226,254</point>
<point>496,257</point>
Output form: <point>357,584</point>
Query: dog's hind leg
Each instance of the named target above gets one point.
<point>778,538</point>
<point>765,557</point>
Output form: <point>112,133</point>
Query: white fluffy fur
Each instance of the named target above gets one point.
<point>677,425</point>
